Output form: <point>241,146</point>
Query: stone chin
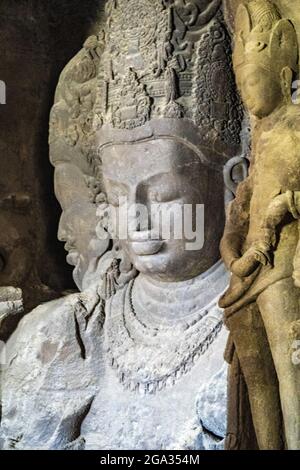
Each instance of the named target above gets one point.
<point>78,274</point>
<point>258,110</point>
<point>74,259</point>
<point>165,266</point>
<point>154,265</point>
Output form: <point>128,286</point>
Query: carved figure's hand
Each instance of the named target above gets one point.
<point>276,211</point>
<point>270,236</point>
<point>257,254</point>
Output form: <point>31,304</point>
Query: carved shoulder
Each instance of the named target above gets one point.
<point>11,307</point>
<point>42,327</point>
<point>57,334</point>
<point>48,382</point>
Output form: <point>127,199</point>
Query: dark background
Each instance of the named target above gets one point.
<point>37,39</point>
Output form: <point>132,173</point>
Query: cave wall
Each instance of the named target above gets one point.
<point>38,38</point>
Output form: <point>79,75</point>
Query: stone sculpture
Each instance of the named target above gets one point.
<point>78,224</point>
<point>149,113</point>
<point>261,240</point>
<point>42,36</point>
<point>11,307</point>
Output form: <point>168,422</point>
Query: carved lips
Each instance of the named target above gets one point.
<point>146,248</point>
<point>73,255</point>
<point>145,243</point>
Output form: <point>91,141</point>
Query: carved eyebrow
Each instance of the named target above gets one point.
<point>113,183</point>
<point>156,177</point>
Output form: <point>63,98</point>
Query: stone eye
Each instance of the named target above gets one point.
<point>163,195</point>
<point>260,46</point>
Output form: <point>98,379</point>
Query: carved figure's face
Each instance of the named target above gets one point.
<point>261,90</point>
<point>152,179</point>
<point>77,226</point>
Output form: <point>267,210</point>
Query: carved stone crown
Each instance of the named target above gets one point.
<point>263,38</point>
<point>168,59</point>
<point>156,66</point>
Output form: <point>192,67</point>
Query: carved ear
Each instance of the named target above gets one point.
<point>284,41</point>
<point>234,172</point>
<point>242,29</point>
<point>243,20</point>
<point>286,83</point>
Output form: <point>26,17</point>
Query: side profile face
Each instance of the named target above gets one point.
<point>77,229</point>
<point>154,178</point>
<point>261,91</point>
<point>77,226</point>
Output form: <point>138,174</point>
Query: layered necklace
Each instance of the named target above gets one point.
<point>155,332</point>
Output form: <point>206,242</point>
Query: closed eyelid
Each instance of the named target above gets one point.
<point>252,81</point>
<point>164,195</point>
<point>117,188</point>
<point>156,180</point>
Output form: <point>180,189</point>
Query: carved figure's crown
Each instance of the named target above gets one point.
<point>160,67</point>
<point>263,38</point>
<point>168,59</point>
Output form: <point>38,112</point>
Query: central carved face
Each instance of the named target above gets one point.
<point>260,90</point>
<point>150,180</point>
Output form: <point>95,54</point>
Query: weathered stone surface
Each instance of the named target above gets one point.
<point>261,240</point>
<point>147,110</point>
<point>287,8</point>
<point>69,396</point>
<point>11,309</point>
<point>37,38</point>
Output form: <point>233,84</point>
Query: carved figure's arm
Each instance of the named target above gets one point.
<point>237,224</point>
<point>257,254</point>
<point>236,230</point>
<point>288,202</point>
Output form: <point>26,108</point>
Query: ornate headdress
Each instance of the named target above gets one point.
<point>263,38</point>
<point>168,59</point>
<point>157,66</point>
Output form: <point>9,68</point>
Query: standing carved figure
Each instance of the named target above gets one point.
<point>260,242</point>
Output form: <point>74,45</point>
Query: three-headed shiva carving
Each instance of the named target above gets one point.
<point>146,113</point>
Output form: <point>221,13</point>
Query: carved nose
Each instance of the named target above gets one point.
<point>62,232</point>
<point>133,221</point>
<point>138,218</point>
